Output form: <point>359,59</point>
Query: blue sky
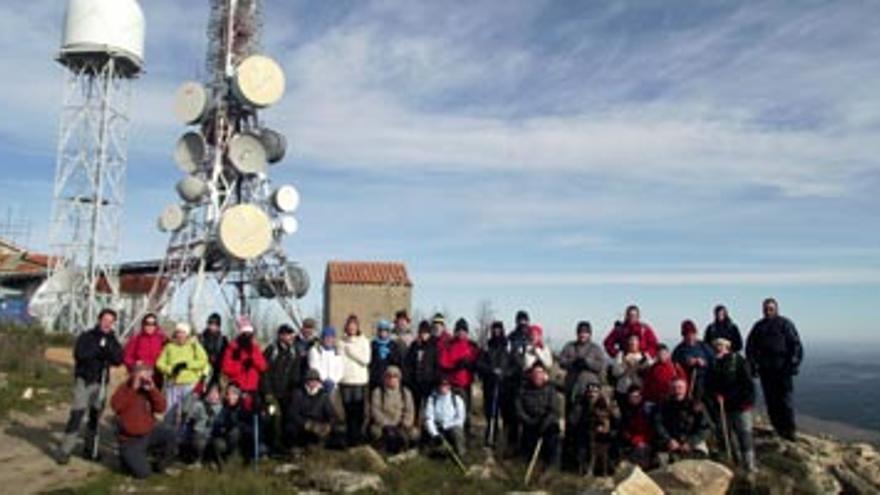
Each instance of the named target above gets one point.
<point>566,157</point>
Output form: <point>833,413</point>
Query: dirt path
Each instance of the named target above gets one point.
<point>27,443</point>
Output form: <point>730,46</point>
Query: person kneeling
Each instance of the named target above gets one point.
<point>681,425</point>
<point>312,415</point>
<point>444,417</point>
<point>392,413</point>
<point>203,414</point>
<point>537,407</point>
<point>136,402</point>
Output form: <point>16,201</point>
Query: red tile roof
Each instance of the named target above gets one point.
<point>367,273</point>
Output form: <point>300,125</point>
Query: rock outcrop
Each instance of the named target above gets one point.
<point>688,477</point>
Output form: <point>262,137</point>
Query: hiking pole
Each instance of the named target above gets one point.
<point>256,436</point>
<point>102,399</point>
<point>452,454</point>
<point>724,428</point>
<point>534,460</point>
<point>493,421</point>
<point>692,382</point>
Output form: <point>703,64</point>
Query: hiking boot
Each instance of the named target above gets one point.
<point>62,458</point>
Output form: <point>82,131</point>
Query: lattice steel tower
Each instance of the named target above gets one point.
<point>102,52</point>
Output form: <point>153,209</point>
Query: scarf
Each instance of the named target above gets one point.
<point>383,346</point>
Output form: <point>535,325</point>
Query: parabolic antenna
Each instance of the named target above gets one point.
<point>190,152</point>
<point>275,144</point>
<point>288,224</point>
<point>259,81</point>
<point>286,199</point>
<point>245,232</point>
<point>247,154</point>
<point>192,189</point>
<point>172,218</point>
<point>45,299</point>
<point>190,102</point>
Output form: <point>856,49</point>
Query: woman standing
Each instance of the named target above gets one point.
<point>355,350</point>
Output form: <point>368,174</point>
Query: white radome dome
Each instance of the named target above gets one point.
<point>105,26</point>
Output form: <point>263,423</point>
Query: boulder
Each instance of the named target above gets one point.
<point>702,477</point>
<point>370,458</point>
<point>403,457</point>
<point>630,480</point>
<point>342,481</point>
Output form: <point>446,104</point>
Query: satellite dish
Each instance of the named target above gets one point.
<point>172,218</point>
<point>192,189</point>
<point>190,152</point>
<point>259,81</point>
<point>245,232</point>
<point>47,296</point>
<point>275,144</point>
<point>288,224</point>
<point>190,102</point>
<point>247,154</point>
<point>286,199</point>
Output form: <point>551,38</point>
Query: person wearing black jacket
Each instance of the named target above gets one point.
<point>284,374</point>
<point>421,373</point>
<point>538,409</point>
<point>493,365</point>
<point>214,343</point>
<point>774,352</point>
<point>681,425</point>
<point>384,352</point>
<point>94,353</point>
<point>729,384</point>
<point>723,328</point>
<point>518,340</point>
<point>307,338</point>
<point>312,415</point>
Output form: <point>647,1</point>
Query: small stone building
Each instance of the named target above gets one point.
<point>370,290</point>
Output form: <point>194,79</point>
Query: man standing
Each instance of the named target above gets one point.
<point>403,333</point>
<point>136,404</point>
<point>95,352</point>
<point>284,374</point>
<point>518,340</point>
<point>305,341</point>
<point>615,342</point>
<point>494,364</point>
<point>214,343</point>
<point>420,370</point>
<point>583,361</point>
<point>774,352</point>
<point>729,382</point>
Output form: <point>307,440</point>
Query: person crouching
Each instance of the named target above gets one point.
<point>681,426</point>
<point>136,404</point>
<point>392,414</point>
<point>538,409</point>
<point>312,415</point>
<point>444,417</point>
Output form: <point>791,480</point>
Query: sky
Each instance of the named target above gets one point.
<point>565,157</point>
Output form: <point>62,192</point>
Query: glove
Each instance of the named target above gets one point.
<point>329,385</point>
<point>436,440</point>
<point>178,368</point>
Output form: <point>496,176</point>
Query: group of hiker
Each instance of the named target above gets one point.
<point>203,398</point>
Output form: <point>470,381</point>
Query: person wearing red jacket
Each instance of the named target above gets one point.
<point>615,342</point>
<point>657,382</point>
<point>243,362</point>
<point>145,346</point>
<point>457,360</point>
<point>136,404</point>
<point>636,428</point>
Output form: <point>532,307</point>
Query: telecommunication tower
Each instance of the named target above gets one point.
<point>225,248</point>
<point>102,51</point>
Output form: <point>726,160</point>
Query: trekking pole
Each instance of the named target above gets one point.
<point>256,436</point>
<point>534,460</point>
<point>452,454</point>
<point>724,432</point>
<point>692,382</point>
<point>493,421</point>
<point>102,399</point>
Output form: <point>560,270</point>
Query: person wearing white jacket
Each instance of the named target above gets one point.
<point>355,351</point>
<point>326,359</point>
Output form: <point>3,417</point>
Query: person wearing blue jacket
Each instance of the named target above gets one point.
<point>695,356</point>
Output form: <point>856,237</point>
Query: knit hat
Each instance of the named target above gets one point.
<point>383,325</point>
<point>439,318</point>
<point>393,371</point>
<point>522,316</point>
<point>461,324</point>
<point>328,332</point>
<point>424,326</point>
<point>215,319</point>
<point>183,327</point>
<point>285,329</point>
<point>497,325</point>
<point>688,326</point>
<point>312,374</point>
<point>584,326</point>
<point>245,325</point>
